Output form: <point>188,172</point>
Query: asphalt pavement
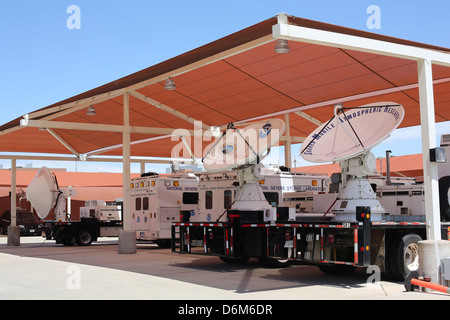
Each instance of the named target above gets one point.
<point>39,269</point>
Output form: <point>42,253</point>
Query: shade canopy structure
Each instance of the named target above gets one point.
<point>238,78</point>
<point>242,78</point>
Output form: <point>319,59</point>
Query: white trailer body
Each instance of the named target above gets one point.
<point>101,210</point>
<point>402,197</point>
<point>157,202</point>
<point>333,244</point>
<point>408,200</point>
<point>315,204</point>
<point>217,191</point>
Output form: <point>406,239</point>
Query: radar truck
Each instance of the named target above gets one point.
<point>160,199</point>
<point>97,218</point>
<point>368,220</point>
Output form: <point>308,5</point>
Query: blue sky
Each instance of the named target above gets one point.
<point>43,62</point>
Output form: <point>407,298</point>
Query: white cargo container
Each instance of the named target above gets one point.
<point>217,191</point>
<point>157,201</point>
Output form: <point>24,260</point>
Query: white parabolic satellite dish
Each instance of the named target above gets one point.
<point>232,151</point>
<point>42,192</point>
<point>352,132</point>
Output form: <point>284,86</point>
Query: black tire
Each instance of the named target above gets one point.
<point>404,255</point>
<point>387,259</point>
<point>84,237</point>
<point>274,263</point>
<point>337,269</point>
<point>235,260</point>
<point>444,197</point>
<point>67,242</point>
<point>164,244</point>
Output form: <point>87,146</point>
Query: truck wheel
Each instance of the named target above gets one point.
<point>164,244</point>
<point>67,242</point>
<point>234,260</point>
<point>84,238</point>
<point>337,269</point>
<point>404,256</point>
<point>444,197</point>
<point>274,263</point>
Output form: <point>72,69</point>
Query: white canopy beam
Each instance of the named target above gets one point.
<point>94,127</point>
<point>63,109</point>
<point>166,108</point>
<point>293,139</point>
<point>92,159</point>
<point>64,143</point>
<point>188,147</point>
<point>346,41</point>
<point>308,117</point>
<point>120,146</point>
<point>344,99</point>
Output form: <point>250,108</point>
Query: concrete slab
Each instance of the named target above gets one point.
<point>40,269</point>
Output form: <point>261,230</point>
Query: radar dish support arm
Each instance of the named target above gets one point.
<point>232,127</point>
<point>318,134</point>
<point>340,109</point>
<point>249,146</point>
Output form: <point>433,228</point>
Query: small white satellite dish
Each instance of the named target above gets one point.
<point>352,132</point>
<point>242,150</point>
<point>239,147</point>
<point>42,192</point>
<point>348,138</point>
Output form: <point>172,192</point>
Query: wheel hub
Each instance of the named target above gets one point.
<point>412,257</point>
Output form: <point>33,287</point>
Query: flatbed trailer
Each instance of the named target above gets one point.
<point>337,241</point>
<point>81,232</point>
<point>335,247</point>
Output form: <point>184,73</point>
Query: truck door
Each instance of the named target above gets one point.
<point>141,213</point>
<point>189,202</point>
<point>167,216</point>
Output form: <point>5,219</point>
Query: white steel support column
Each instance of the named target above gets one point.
<point>13,229</point>
<point>69,204</point>
<point>126,136</point>
<point>13,193</point>
<point>127,237</point>
<point>430,169</point>
<point>287,143</point>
